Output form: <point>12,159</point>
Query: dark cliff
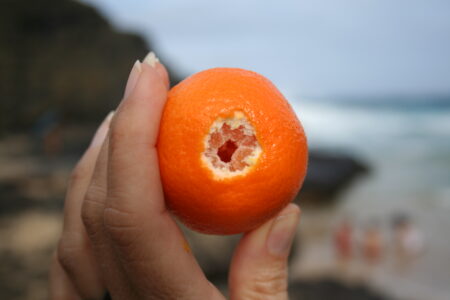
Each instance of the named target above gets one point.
<point>62,56</point>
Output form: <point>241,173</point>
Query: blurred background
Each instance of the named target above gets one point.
<point>370,81</point>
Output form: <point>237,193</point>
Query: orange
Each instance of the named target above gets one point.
<point>232,152</point>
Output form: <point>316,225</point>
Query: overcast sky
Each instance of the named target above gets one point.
<point>308,48</point>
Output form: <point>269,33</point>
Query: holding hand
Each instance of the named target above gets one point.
<point>118,235</point>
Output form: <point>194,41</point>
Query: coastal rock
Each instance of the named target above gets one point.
<point>328,174</point>
<point>63,56</point>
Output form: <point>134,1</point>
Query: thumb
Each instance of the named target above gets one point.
<point>259,265</point>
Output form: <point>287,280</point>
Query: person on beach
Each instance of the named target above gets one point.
<point>372,244</point>
<point>343,241</point>
<point>408,239</point>
<point>118,236</point>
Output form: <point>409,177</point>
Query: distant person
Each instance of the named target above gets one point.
<point>372,243</point>
<point>408,239</point>
<point>343,240</point>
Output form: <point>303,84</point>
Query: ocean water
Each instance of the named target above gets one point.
<point>407,148</point>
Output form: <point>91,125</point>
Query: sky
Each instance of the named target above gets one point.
<point>309,48</point>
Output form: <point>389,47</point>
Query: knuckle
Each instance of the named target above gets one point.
<point>92,210</point>
<point>121,226</point>
<point>70,248</point>
<point>270,283</point>
<point>95,193</point>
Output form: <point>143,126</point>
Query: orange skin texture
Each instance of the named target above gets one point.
<point>241,203</point>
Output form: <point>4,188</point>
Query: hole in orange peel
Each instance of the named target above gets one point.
<point>231,147</point>
<point>226,151</point>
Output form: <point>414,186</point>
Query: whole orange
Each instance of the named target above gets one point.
<point>232,152</point>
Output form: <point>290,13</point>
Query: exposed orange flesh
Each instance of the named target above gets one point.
<point>228,148</point>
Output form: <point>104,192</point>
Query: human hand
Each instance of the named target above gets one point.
<point>118,235</point>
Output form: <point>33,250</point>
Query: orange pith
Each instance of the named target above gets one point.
<point>232,153</point>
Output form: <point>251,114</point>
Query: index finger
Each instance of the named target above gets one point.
<point>151,248</point>
<point>133,164</point>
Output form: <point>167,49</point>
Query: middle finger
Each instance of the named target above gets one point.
<point>74,250</point>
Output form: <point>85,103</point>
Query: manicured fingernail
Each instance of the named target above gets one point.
<point>151,59</point>
<point>282,232</point>
<point>102,131</point>
<point>133,78</point>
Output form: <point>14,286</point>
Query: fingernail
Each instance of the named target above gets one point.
<point>151,59</point>
<point>102,131</point>
<point>282,232</point>
<point>132,78</point>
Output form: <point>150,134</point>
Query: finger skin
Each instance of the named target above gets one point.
<point>133,157</point>
<point>74,252</point>
<point>257,272</point>
<point>93,210</point>
<point>145,238</point>
<point>92,217</point>
<point>162,72</point>
<point>60,285</point>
